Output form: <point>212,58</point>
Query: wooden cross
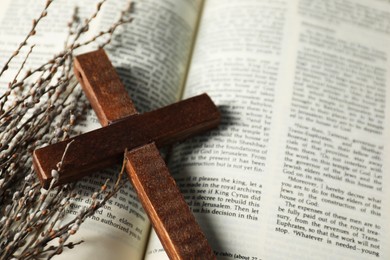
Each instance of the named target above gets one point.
<point>141,135</point>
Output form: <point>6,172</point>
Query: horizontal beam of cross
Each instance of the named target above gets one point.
<point>102,147</point>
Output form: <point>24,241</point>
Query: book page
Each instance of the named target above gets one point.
<point>296,169</point>
<point>336,140</point>
<point>151,56</point>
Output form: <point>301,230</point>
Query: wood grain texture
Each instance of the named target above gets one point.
<point>170,215</point>
<point>105,146</point>
<point>103,87</point>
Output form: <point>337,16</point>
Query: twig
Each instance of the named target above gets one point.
<point>38,108</point>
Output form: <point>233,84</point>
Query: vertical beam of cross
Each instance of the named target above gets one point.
<point>170,216</point>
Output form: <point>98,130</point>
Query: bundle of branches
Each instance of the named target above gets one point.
<point>42,106</point>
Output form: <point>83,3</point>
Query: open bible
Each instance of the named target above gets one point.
<point>296,169</point>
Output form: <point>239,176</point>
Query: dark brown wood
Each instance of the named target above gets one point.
<point>170,215</point>
<point>103,147</point>
<point>102,86</point>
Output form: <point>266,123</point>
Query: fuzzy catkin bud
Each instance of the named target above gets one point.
<point>8,209</point>
<point>37,111</point>
<point>13,166</point>
<point>28,178</point>
<point>2,220</point>
<point>31,216</point>
<point>48,2</point>
<point>44,191</point>
<point>16,236</point>
<point>16,196</point>
<point>58,132</point>
<point>18,216</point>
<point>63,201</point>
<point>72,119</point>
<point>28,104</point>
<point>44,205</point>
<point>55,174</point>
<point>27,189</point>
<point>95,195</point>
<point>74,229</point>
